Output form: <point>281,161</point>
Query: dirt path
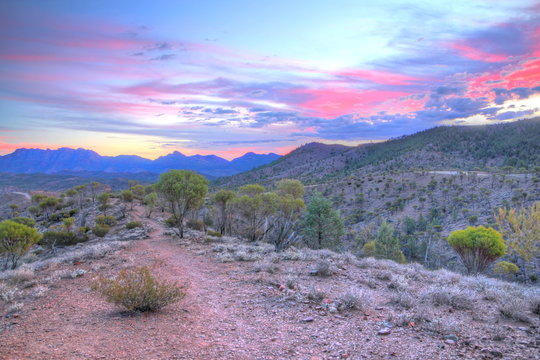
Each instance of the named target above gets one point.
<point>218,318</point>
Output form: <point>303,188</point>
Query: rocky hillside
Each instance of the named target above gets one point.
<point>485,147</point>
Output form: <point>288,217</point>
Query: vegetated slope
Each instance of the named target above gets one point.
<point>28,161</point>
<point>515,144</point>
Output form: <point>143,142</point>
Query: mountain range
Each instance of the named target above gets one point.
<point>72,161</point>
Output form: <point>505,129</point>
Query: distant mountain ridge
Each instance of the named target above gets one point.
<point>29,161</point>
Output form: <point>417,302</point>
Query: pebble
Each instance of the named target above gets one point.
<point>450,342</point>
<point>385,331</point>
<point>308,319</point>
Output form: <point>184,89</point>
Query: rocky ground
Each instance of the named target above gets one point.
<point>245,302</point>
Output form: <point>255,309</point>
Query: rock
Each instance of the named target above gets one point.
<point>308,319</point>
<point>384,331</point>
<point>313,272</point>
<point>450,342</point>
<point>523,328</point>
<point>451,337</point>
<point>332,309</point>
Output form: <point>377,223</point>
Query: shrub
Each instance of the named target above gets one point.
<point>171,222</point>
<point>513,307</point>
<point>477,246</point>
<point>25,221</point>
<point>535,306</point>
<point>105,220</point>
<point>387,245</point>
<point>505,268</point>
<point>195,224</point>
<point>354,299</point>
<point>316,295</point>
<point>138,290</point>
<point>51,239</point>
<point>322,268</point>
<point>369,248</point>
<point>214,233</point>
<point>133,225</point>
<point>101,230</point>
<point>15,241</point>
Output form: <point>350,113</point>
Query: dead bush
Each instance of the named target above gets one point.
<point>354,299</point>
<point>322,268</point>
<point>138,290</point>
<point>315,295</point>
<point>515,308</point>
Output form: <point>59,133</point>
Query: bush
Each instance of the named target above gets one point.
<point>195,224</point>
<point>354,299</point>
<point>15,241</point>
<point>478,247</point>
<point>133,225</point>
<point>105,220</point>
<point>101,230</point>
<point>214,233</point>
<point>505,268</point>
<point>25,221</point>
<point>138,290</point>
<point>369,248</point>
<point>322,268</point>
<point>171,222</point>
<point>51,239</point>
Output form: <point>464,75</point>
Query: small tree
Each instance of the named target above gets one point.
<point>521,230</point>
<point>322,226</point>
<point>289,209</point>
<point>223,199</point>
<point>15,241</point>
<point>477,247</point>
<point>68,223</point>
<point>14,208</point>
<point>150,201</point>
<point>49,204</point>
<point>387,245</point>
<point>103,200</point>
<point>184,191</point>
<point>127,198</point>
<point>253,208</point>
<point>138,191</point>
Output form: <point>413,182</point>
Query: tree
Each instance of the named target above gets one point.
<point>48,204</point>
<point>103,200</point>
<point>477,247</point>
<point>15,241</point>
<point>184,191</point>
<point>150,201</point>
<point>289,209</point>
<point>322,226</point>
<point>387,245</point>
<point>253,208</point>
<point>138,191</point>
<point>94,188</point>
<point>68,223</point>
<point>223,199</point>
<point>14,208</point>
<point>521,230</point>
<point>127,197</point>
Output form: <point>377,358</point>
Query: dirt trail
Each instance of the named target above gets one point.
<point>213,320</point>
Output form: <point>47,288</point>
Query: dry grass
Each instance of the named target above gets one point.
<point>355,299</point>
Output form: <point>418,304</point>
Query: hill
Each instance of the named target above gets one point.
<point>485,147</point>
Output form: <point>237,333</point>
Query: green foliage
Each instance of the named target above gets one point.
<point>477,246</point>
<point>322,226</point>
<point>214,233</point>
<point>133,225</point>
<point>103,200</point>
<point>34,211</point>
<point>150,201</point>
<point>138,191</point>
<point>223,199</point>
<point>105,220</point>
<point>53,239</point>
<point>369,248</point>
<point>195,224</point>
<point>184,191</point>
<point>68,223</point>
<point>101,230</point>
<point>505,268</point>
<point>25,221</point>
<point>138,290</point>
<point>387,245</point>
<point>290,187</point>
<point>48,204</point>
<point>253,208</point>
<point>15,241</point>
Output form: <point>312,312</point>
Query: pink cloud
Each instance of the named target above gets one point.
<point>475,54</point>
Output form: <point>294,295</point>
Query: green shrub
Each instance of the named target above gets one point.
<point>133,225</point>
<point>105,220</point>
<point>15,241</point>
<point>505,268</point>
<point>478,247</point>
<point>195,224</point>
<point>171,222</point>
<point>52,239</point>
<point>101,230</point>
<point>25,221</point>
<point>214,233</point>
<point>138,290</point>
<point>369,248</point>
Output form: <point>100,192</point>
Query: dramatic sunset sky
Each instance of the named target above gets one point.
<point>231,76</point>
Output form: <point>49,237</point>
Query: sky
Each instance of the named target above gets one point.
<point>228,77</point>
